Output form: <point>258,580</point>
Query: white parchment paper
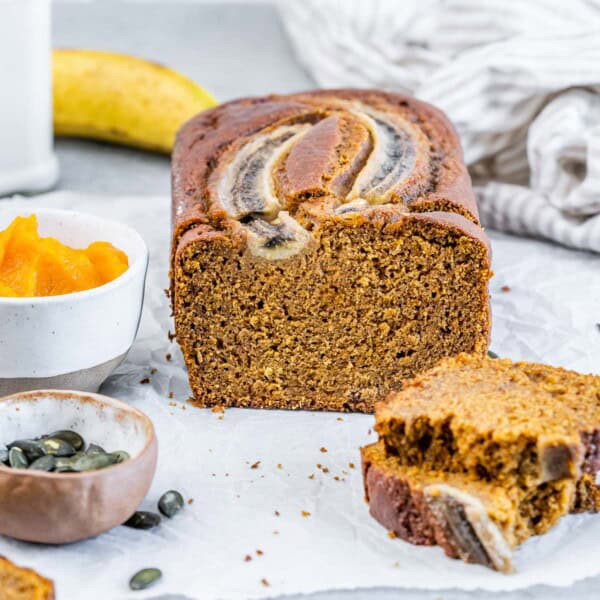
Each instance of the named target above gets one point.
<point>549,314</point>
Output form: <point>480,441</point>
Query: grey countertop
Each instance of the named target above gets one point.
<point>233,50</point>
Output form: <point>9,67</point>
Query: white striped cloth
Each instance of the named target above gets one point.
<point>520,80</point>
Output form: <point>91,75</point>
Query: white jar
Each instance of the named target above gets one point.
<point>27,160</point>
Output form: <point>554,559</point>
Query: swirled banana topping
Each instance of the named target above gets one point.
<point>392,159</point>
<point>372,152</point>
<point>280,238</point>
<point>246,186</point>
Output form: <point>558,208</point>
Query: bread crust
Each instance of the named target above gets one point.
<point>204,138</point>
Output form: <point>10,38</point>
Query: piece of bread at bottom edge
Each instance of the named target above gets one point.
<point>476,521</point>
<point>19,583</point>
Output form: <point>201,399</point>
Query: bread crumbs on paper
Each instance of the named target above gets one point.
<point>505,288</point>
<point>145,381</point>
<point>311,476</point>
<point>247,558</point>
<point>279,466</point>
<point>153,371</point>
<point>171,394</point>
<point>323,449</point>
<point>191,501</point>
<point>265,582</point>
<point>168,357</point>
<point>351,465</point>
<point>255,465</point>
<point>276,532</point>
<point>305,513</point>
<point>391,534</point>
<point>325,470</point>
<point>259,552</point>
<point>277,513</point>
<point>218,408</point>
<point>171,336</point>
<point>340,419</point>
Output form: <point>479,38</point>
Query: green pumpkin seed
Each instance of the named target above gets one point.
<point>92,462</point>
<point>62,451</point>
<point>94,449</point>
<point>71,437</point>
<point>56,447</point>
<point>31,448</point>
<point>144,579</point>
<point>170,503</point>
<point>43,463</point>
<point>142,519</point>
<point>120,456</point>
<point>17,458</point>
<point>492,354</point>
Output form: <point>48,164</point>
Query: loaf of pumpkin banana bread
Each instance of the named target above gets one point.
<point>326,246</point>
<point>478,454</point>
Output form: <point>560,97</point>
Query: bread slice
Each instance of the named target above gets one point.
<point>495,420</point>
<point>326,246</point>
<point>18,583</point>
<point>479,522</point>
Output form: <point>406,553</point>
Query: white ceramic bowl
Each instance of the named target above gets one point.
<point>55,508</point>
<point>72,341</point>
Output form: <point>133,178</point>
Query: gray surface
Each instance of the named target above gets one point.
<point>232,50</point>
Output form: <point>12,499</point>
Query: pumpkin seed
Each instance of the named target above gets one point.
<point>71,437</point>
<point>17,458</point>
<point>43,463</point>
<point>120,456</point>
<point>63,451</point>
<point>56,447</point>
<point>170,503</point>
<point>144,579</point>
<point>31,448</point>
<point>142,519</point>
<point>94,448</point>
<point>92,462</point>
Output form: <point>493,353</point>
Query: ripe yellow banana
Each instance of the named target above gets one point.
<point>122,99</point>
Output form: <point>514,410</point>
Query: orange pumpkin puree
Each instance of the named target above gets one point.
<point>31,265</point>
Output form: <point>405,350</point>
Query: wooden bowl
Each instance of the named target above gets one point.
<point>56,508</point>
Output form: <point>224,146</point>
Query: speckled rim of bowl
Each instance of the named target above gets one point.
<point>94,398</point>
<point>140,262</point>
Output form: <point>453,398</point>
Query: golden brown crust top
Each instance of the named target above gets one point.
<point>268,171</point>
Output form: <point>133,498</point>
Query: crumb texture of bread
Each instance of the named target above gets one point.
<point>18,583</point>
<point>326,247</point>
